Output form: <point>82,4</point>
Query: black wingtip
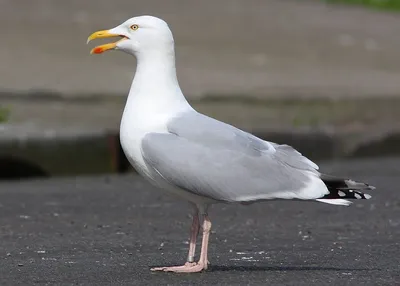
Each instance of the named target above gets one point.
<point>346,189</point>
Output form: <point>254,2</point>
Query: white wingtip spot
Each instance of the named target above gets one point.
<point>367,196</point>
<point>341,194</point>
<point>358,196</point>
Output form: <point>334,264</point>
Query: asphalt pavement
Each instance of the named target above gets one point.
<point>110,230</point>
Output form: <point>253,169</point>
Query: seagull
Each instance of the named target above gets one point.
<point>198,158</point>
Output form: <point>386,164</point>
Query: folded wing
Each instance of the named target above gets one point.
<point>218,161</point>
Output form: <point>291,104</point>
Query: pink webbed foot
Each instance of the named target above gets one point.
<point>188,267</point>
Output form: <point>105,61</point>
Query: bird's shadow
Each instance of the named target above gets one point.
<point>250,268</point>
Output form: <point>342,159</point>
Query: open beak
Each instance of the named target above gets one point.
<point>104,34</point>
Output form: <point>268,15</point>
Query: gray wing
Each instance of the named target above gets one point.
<point>216,160</point>
<point>205,130</point>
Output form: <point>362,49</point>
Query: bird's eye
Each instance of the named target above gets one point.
<point>134,27</point>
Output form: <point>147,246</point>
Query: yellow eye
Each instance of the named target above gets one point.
<point>134,27</point>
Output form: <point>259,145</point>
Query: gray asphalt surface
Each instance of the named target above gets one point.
<point>111,230</point>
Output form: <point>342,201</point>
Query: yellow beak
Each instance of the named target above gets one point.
<point>100,35</point>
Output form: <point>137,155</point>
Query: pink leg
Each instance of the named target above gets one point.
<point>203,261</point>
<point>191,267</point>
<point>194,232</point>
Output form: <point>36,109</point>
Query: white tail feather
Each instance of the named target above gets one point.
<point>339,202</point>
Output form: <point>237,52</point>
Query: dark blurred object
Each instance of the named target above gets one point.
<point>12,168</point>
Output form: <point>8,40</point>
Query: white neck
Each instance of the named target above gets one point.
<point>155,88</point>
<point>153,99</point>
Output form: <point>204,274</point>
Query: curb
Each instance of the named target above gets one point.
<point>91,153</point>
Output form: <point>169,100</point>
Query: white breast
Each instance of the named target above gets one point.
<point>134,126</point>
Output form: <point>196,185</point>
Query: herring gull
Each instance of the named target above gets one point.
<point>196,157</point>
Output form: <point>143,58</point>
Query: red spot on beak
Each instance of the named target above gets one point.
<point>98,50</point>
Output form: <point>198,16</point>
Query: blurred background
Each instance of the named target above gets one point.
<point>322,76</point>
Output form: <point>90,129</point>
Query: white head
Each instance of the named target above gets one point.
<point>139,35</point>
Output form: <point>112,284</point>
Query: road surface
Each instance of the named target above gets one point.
<point>111,230</point>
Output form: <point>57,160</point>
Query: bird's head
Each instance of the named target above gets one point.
<point>138,35</point>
